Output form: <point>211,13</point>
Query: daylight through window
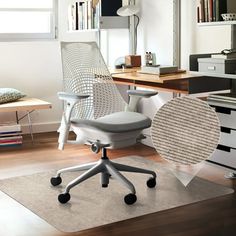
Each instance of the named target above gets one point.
<point>27,19</point>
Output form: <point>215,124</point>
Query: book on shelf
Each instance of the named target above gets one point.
<point>206,10</point>
<point>80,17</point>
<point>10,135</point>
<point>201,11</point>
<point>14,139</point>
<point>158,70</point>
<point>7,138</point>
<point>72,17</point>
<point>76,16</point>
<point>11,143</point>
<point>224,56</point>
<point>9,128</point>
<point>89,16</point>
<point>211,10</point>
<point>83,15</point>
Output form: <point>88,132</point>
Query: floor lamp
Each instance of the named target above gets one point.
<point>130,11</point>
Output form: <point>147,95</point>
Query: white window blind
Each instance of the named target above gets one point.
<point>27,19</point>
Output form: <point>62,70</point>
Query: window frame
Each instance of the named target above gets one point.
<point>34,36</point>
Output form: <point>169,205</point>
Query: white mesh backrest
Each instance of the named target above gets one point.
<point>84,71</point>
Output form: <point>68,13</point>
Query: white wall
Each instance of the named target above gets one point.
<point>155,29</point>
<point>35,69</point>
<point>114,44</point>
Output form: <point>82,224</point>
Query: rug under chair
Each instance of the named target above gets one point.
<point>92,206</point>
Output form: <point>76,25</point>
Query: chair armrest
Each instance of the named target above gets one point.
<point>136,95</point>
<point>71,96</point>
<point>70,100</point>
<point>142,93</point>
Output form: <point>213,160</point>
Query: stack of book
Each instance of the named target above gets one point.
<point>83,15</point>
<point>10,135</point>
<point>211,10</point>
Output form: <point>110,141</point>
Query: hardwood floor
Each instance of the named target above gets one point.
<point>215,217</point>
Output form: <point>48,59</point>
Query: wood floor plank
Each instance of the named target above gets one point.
<point>215,217</point>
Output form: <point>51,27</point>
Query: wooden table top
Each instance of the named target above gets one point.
<point>25,104</point>
<point>133,75</point>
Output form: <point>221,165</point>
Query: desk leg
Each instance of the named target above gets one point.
<point>17,118</point>
<point>30,127</point>
<point>176,95</point>
<point>29,122</point>
<point>131,87</point>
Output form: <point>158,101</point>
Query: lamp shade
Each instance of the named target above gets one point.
<point>128,10</point>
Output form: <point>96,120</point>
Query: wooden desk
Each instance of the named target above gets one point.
<point>182,83</point>
<point>25,104</point>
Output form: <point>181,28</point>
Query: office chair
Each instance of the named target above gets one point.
<point>96,112</point>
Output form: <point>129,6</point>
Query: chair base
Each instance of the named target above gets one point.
<point>107,169</point>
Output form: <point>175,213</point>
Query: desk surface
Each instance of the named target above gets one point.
<point>176,82</point>
<point>136,76</point>
<point>25,104</point>
<point>185,82</point>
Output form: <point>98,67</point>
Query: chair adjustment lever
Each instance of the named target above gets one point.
<point>141,137</point>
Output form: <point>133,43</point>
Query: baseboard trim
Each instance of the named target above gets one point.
<point>40,127</point>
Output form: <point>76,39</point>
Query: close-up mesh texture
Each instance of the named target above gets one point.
<point>185,130</point>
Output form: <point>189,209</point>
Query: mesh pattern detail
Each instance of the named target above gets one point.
<point>185,130</point>
<point>84,71</point>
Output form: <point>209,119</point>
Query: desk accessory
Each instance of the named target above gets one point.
<point>193,60</point>
<point>225,54</point>
<point>216,65</point>
<point>229,16</point>
<point>133,60</point>
<point>158,70</point>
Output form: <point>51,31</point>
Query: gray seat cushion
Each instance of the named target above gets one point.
<point>116,122</point>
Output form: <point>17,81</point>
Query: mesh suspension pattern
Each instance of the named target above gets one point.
<point>84,71</point>
<point>185,130</point>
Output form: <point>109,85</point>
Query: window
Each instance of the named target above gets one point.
<point>27,19</point>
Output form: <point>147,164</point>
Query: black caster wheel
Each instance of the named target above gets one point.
<point>130,199</point>
<point>63,198</point>
<point>151,183</point>
<point>56,181</point>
